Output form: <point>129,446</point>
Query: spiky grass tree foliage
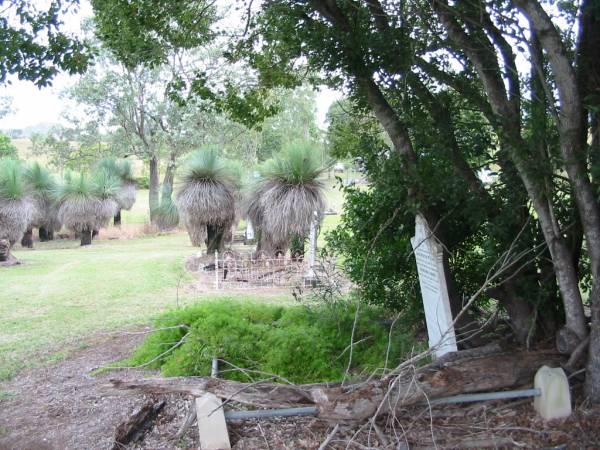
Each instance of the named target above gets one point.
<point>126,195</point>
<point>287,196</point>
<point>43,186</point>
<point>166,215</point>
<point>88,203</point>
<point>206,200</point>
<point>16,207</point>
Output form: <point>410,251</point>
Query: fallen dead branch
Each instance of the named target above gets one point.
<point>356,403</point>
<point>134,427</point>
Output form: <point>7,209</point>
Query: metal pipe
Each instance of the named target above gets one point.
<point>312,410</point>
<point>214,370</point>
<point>487,396</point>
<point>260,413</point>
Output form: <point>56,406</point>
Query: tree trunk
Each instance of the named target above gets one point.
<point>572,144</point>
<point>153,187</point>
<point>167,187</point>
<point>117,218</point>
<point>520,313</point>
<point>398,133</point>
<point>86,236</point>
<point>27,239</point>
<point>508,127</point>
<point>214,238</point>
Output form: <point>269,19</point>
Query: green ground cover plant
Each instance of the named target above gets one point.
<point>297,343</point>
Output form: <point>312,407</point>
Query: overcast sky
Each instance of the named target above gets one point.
<point>33,106</point>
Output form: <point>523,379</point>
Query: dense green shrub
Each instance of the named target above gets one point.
<point>297,343</point>
<point>142,182</point>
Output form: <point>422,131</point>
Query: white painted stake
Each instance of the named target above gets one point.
<point>211,423</point>
<point>312,251</point>
<point>217,270</point>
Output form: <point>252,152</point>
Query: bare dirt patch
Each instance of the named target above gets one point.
<point>65,406</point>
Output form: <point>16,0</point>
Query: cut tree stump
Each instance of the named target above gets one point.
<point>359,402</point>
<point>135,426</point>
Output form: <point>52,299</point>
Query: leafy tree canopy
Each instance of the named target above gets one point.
<point>33,45</point>
<point>146,32</point>
<point>7,149</point>
<point>151,33</point>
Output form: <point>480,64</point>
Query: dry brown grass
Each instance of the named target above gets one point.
<point>133,231</point>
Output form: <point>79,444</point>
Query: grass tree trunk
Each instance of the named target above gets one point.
<point>6,259</point>
<point>4,250</point>
<point>86,236</point>
<point>215,238</point>
<point>44,234</point>
<point>117,218</point>
<point>27,239</point>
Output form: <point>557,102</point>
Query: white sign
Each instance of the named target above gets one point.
<point>434,289</point>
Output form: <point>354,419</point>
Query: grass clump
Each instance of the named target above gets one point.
<point>296,343</point>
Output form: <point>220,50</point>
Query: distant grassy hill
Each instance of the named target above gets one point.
<point>23,146</point>
<point>24,150</point>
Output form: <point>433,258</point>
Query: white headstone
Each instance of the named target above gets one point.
<point>249,230</point>
<point>312,250</point>
<point>434,289</point>
<point>555,399</point>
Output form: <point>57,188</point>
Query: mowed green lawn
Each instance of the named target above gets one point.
<point>60,294</point>
<point>64,292</point>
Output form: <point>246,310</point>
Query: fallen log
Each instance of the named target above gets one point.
<point>412,386</point>
<point>262,393</point>
<point>361,401</point>
<point>134,427</point>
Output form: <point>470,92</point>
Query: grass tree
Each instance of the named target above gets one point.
<point>206,198</point>
<point>166,215</point>
<point>284,200</point>
<point>88,203</point>
<point>43,186</point>
<point>126,195</point>
<point>16,207</point>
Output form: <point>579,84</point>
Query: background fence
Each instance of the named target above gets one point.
<point>235,270</point>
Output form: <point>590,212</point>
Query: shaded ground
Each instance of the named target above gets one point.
<point>63,406</point>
